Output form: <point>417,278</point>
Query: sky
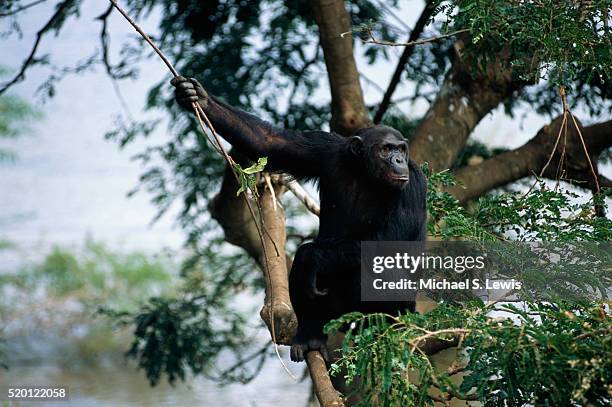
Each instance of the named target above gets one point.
<point>69,183</point>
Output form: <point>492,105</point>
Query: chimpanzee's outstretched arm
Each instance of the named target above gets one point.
<point>299,153</point>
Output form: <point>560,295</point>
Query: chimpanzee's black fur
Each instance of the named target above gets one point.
<point>369,190</point>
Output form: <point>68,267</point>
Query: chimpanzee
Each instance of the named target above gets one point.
<point>369,189</point>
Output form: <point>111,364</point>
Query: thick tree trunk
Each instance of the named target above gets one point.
<point>277,304</point>
<point>462,102</point>
<point>348,108</point>
<point>234,217</point>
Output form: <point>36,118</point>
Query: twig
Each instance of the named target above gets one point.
<point>566,113</point>
<point>200,114</point>
<point>105,44</point>
<point>146,38</point>
<point>403,60</point>
<point>554,149</point>
<point>416,342</point>
<point>30,60</point>
<point>373,40</point>
<point>451,394</point>
<point>22,8</point>
<point>242,362</point>
<point>603,331</point>
<point>301,194</point>
<point>586,152</point>
<point>455,369</point>
<point>562,160</point>
<point>371,82</point>
<point>268,182</point>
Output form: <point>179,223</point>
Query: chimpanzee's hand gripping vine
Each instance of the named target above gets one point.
<point>369,189</point>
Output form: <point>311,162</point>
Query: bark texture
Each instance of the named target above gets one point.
<point>348,108</point>
<point>277,304</point>
<point>464,99</point>
<point>233,215</point>
<point>324,390</point>
<point>532,157</point>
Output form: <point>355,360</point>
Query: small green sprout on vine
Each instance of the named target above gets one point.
<point>246,176</point>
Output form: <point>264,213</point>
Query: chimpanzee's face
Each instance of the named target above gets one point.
<point>385,153</point>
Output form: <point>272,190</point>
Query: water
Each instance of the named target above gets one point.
<point>53,346</point>
<point>118,383</point>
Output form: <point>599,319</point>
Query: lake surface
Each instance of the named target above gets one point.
<point>118,383</point>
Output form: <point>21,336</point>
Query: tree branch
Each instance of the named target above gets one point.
<point>403,60</point>
<point>52,23</point>
<point>599,135</point>
<point>301,194</point>
<point>233,215</point>
<point>464,99</point>
<point>111,71</point>
<point>277,302</point>
<point>327,395</point>
<point>373,40</point>
<point>348,108</point>
<point>20,9</point>
<point>532,156</point>
<point>431,346</point>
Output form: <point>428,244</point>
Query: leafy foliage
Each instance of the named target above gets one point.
<point>94,275</point>
<point>14,115</point>
<point>568,43</point>
<point>170,335</point>
<point>562,39</point>
<point>188,332</point>
<point>528,356</point>
<point>60,294</point>
<point>541,214</point>
<point>538,361</point>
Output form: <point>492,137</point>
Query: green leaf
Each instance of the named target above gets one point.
<point>258,167</point>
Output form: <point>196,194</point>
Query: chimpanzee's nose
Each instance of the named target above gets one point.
<point>398,160</point>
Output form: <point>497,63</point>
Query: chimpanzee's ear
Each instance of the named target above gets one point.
<point>356,145</point>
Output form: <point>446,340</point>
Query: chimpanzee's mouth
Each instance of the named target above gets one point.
<point>397,177</point>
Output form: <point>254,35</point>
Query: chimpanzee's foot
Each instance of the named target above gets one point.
<point>302,344</point>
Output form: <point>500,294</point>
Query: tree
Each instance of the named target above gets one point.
<point>464,58</point>
<point>14,114</point>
